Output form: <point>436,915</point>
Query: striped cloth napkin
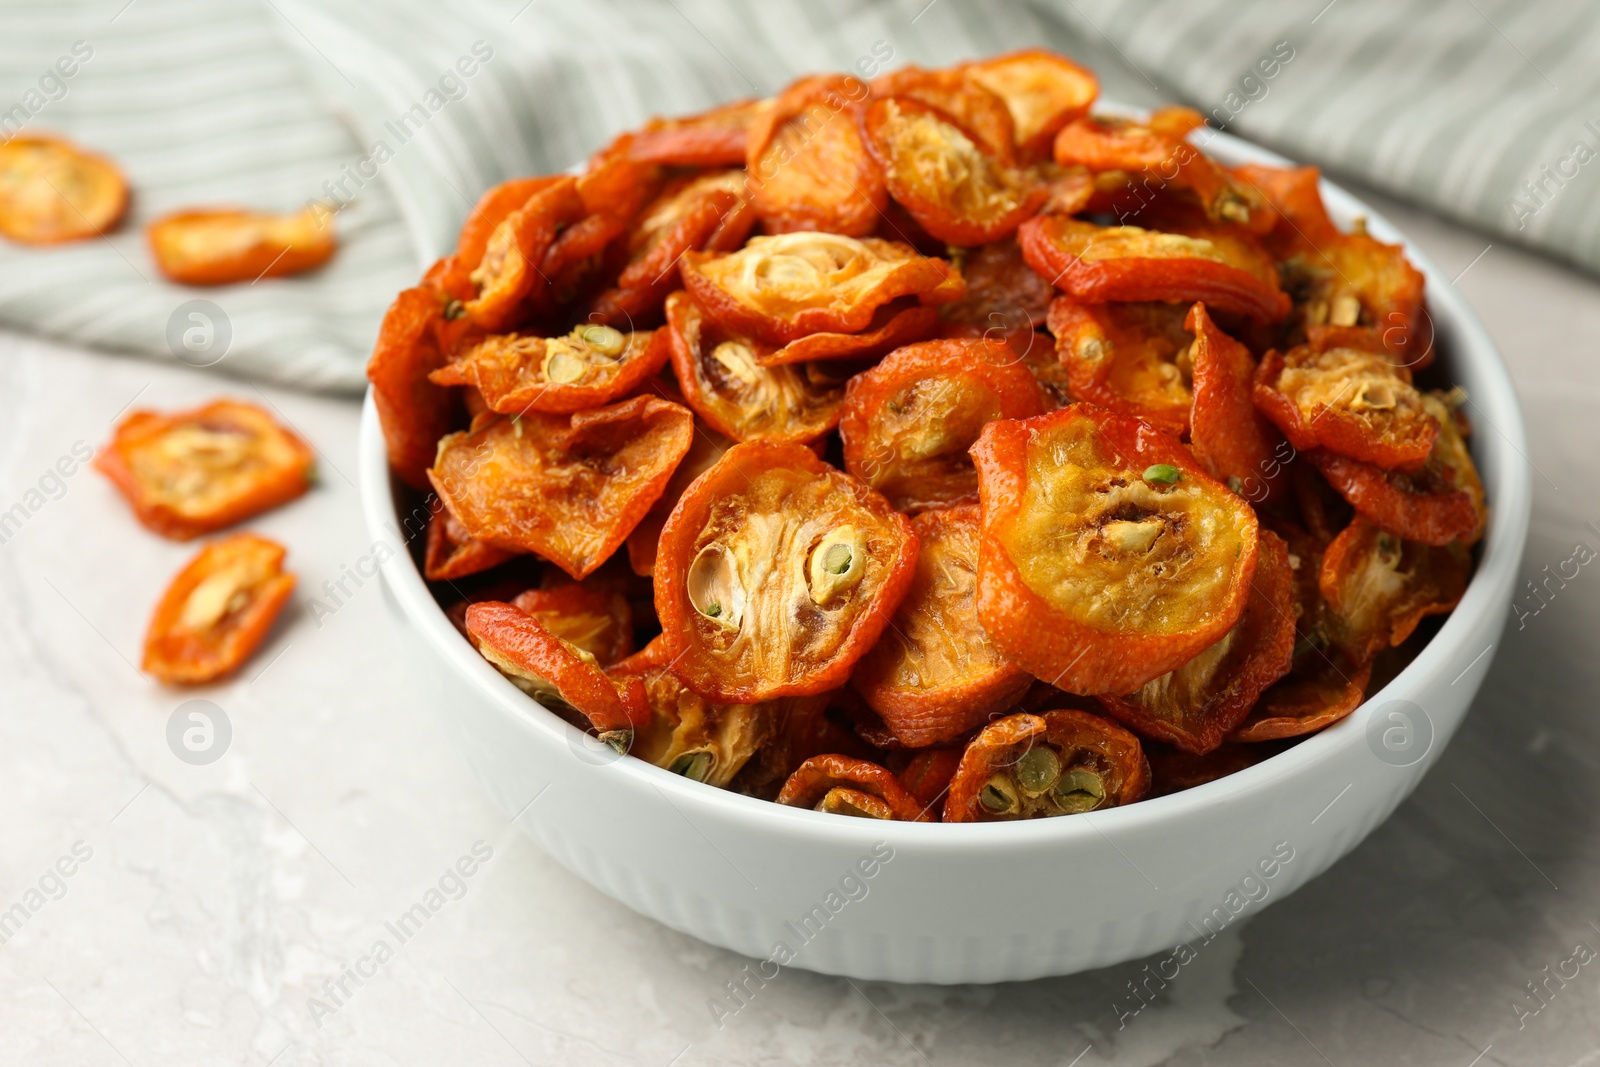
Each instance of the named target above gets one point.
<point>399,113</point>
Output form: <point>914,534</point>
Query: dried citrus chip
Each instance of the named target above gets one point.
<point>779,289</point>
<point>413,411</point>
<point>222,245</point>
<point>934,168</point>
<point>808,167</point>
<point>507,273</point>
<point>927,773</point>
<point>589,366</point>
<point>1197,705</point>
<point>907,423</point>
<point>1042,90</point>
<point>841,785</point>
<point>716,138</point>
<point>691,736</point>
<point>1236,444</point>
<point>492,209</point>
<point>53,191</point>
<point>570,488</point>
<point>1323,688</point>
<point>726,382</point>
<point>981,114</point>
<point>702,212</point>
<point>1340,279</point>
<point>595,618</point>
<point>195,471</point>
<point>451,552</point>
<point>934,675</point>
<point>901,322</point>
<point>1060,762</point>
<point>1226,270</point>
<point>1109,557</point>
<point>776,573</point>
<point>1158,158</point>
<point>217,610</point>
<point>1342,391</point>
<point>561,676</point>
<point>1379,587</point>
<point>1132,358</point>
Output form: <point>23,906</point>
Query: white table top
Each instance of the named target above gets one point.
<point>215,900</point>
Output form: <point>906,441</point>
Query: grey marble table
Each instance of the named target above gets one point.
<point>210,909</point>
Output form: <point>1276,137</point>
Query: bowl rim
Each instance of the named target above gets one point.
<point>1499,562</point>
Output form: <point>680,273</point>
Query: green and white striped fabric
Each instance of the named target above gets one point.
<point>401,112</point>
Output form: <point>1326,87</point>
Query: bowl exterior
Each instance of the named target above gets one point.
<point>996,902</point>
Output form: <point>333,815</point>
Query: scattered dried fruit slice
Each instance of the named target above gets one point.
<point>217,610</point>
<point>220,246</point>
<point>193,472</point>
<point>52,191</point>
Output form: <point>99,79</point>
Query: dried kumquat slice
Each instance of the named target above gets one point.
<point>901,322</point>
<point>53,191</point>
<point>1158,157</point>
<point>589,366</point>
<point>707,212</point>
<point>1043,92</point>
<point>196,471</point>
<point>776,573</point>
<point>926,775</point>
<point>1379,587</point>
<point>907,423</point>
<point>1323,688</point>
<point>842,785</point>
<point>1197,705</point>
<point>1435,505</point>
<point>220,246</point>
<point>413,411</point>
<point>555,672</point>
<point>451,552</point>
<point>934,674</point>
<point>1060,762</point>
<point>726,382</point>
<point>217,610</point>
<point>1109,557</point>
<point>716,138</point>
<point>779,289</point>
<point>1096,264</point>
<point>933,167</point>
<point>1341,279</point>
<point>1235,442</point>
<point>808,167</point>
<point>595,618</point>
<point>691,736</point>
<point>981,114</point>
<point>569,488</point>
<point>1132,358</point>
<point>507,272</point>
<point>1342,391</point>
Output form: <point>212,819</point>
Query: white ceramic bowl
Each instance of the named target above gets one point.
<point>990,902</point>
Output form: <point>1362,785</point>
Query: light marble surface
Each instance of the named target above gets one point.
<point>218,899</point>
